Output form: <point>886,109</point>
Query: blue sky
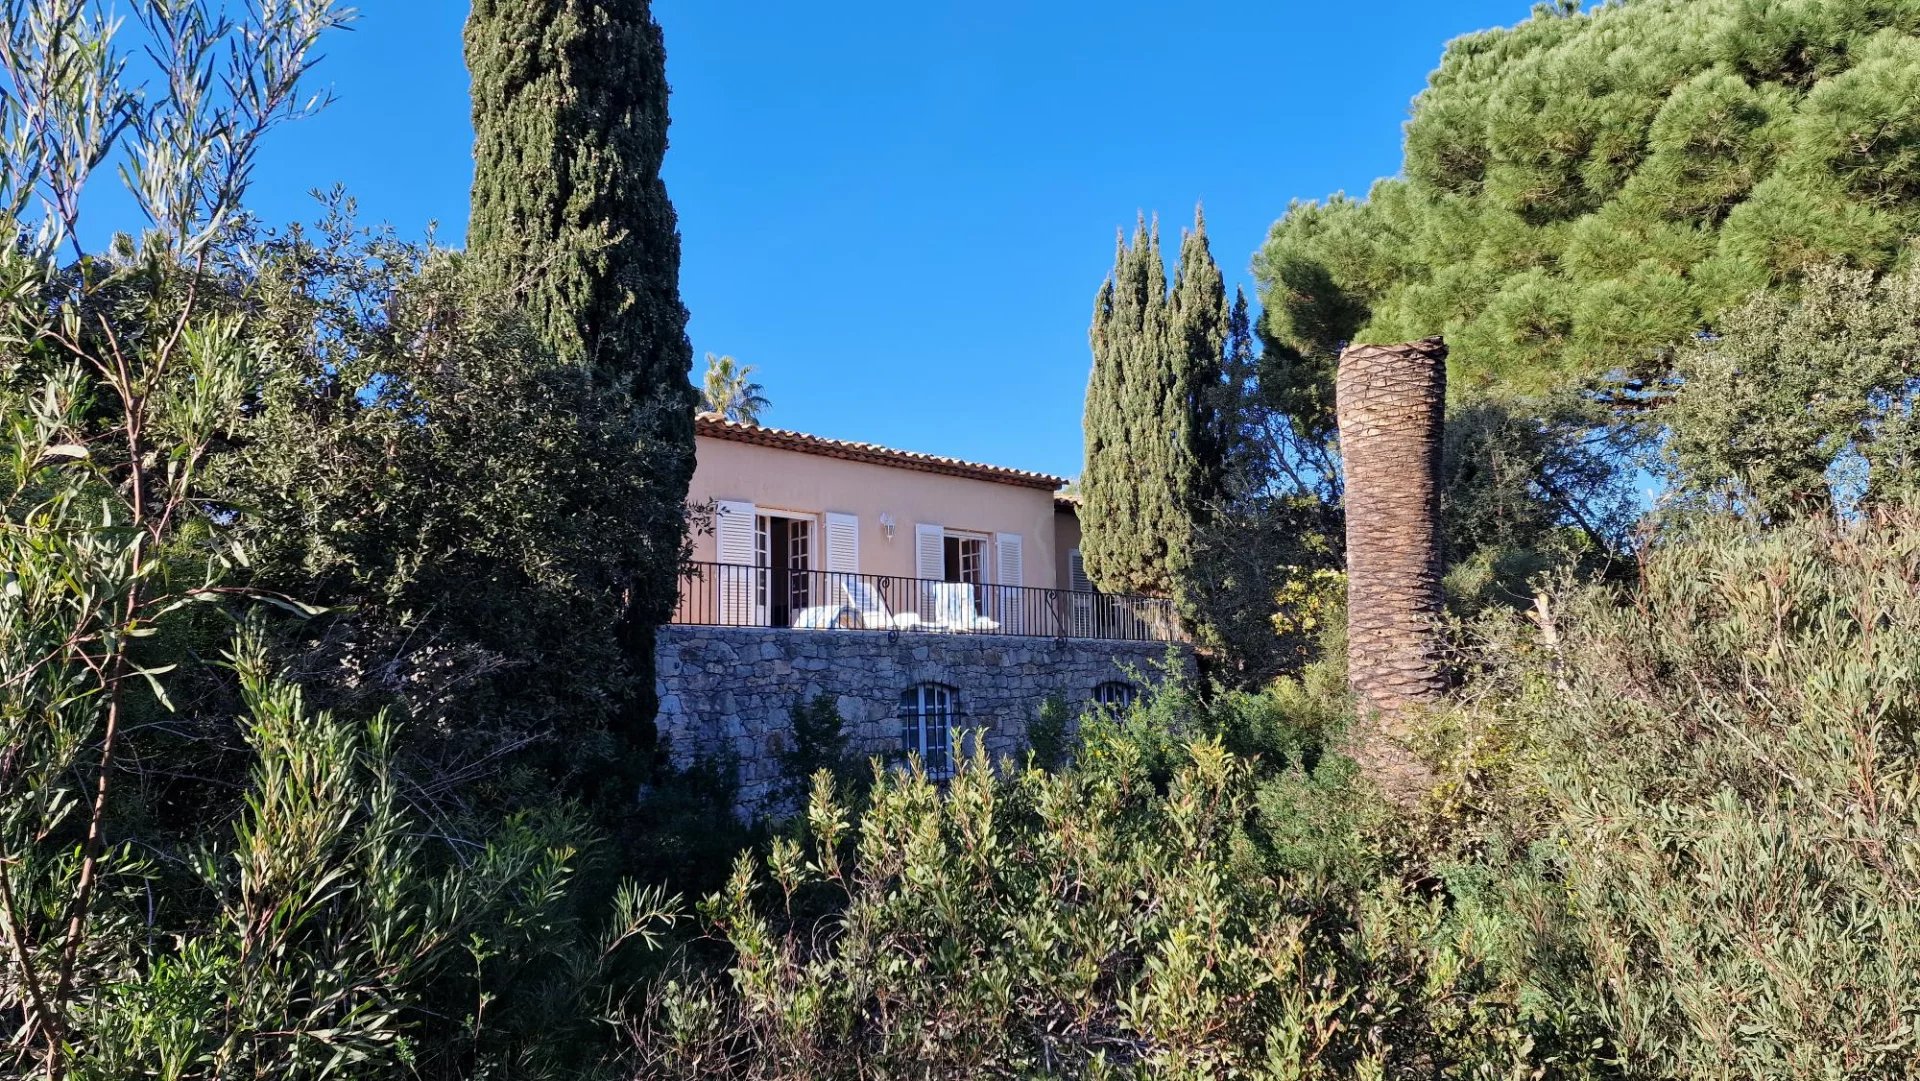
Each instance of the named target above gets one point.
<point>900,212</point>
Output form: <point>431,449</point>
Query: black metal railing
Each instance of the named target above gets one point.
<point>733,595</point>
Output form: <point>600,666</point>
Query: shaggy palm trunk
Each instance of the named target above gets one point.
<point>1392,404</point>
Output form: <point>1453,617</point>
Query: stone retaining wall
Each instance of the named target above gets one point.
<point>729,691</point>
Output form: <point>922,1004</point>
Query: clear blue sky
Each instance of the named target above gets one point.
<point>900,212</point>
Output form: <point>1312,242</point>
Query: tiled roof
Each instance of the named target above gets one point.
<point>716,427</point>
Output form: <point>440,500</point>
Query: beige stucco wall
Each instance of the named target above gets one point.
<point>1066,537</point>
<point>775,479</point>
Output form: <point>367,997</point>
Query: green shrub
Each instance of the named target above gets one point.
<point>1716,775</point>
<point>1103,921</point>
<point>685,829</point>
<point>1050,733</point>
<point>819,741</point>
<point>326,931</point>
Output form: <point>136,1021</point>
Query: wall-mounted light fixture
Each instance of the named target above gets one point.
<point>886,523</point>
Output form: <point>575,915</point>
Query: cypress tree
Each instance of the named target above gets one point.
<point>1200,320</point>
<point>1155,444</point>
<point>1239,381</point>
<point>569,211</point>
<point>1116,543</point>
<point>571,220</point>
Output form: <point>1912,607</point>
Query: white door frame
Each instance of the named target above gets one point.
<point>762,556</point>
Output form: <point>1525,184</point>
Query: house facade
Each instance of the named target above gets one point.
<point>923,594</point>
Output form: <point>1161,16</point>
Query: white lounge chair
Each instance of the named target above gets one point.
<point>871,607</point>
<point>825,617</point>
<point>953,609</point>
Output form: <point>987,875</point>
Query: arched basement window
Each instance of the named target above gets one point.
<point>927,713</point>
<point>1116,694</point>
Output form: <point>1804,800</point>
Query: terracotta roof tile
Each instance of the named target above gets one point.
<point>719,428</point>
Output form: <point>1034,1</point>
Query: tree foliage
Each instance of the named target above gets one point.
<point>728,390</point>
<point>1713,773</point>
<point>570,218</point>
<point>1584,191</point>
<point>1156,456</point>
<point>201,875</point>
<point>1796,399</point>
<point>473,513</point>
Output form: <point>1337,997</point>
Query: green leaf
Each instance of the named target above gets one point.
<point>159,692</point>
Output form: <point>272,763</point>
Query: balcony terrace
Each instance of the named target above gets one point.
<point>735,595</point>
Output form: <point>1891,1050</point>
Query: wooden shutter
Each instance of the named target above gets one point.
<point>1080,598</point>
<point>929,562</point>
<point>1012,561</point>
<point>733,545</point>
<point>930,552</point>
<point>843,558</point>
<point>1013,611</point>
<point>843,543</point>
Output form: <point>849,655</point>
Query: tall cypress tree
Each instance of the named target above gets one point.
<point>1199,318</point>
<point>569,211</point>
<point>1155,446</point>
<point>1239,382</point>
<point>571,219</point>
<point>1118,544</point>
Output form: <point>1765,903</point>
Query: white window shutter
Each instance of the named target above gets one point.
<point>929,562</point>
<point>1010,605</point>
<point>733,532</point>
<point>843,543</point>
<point>1080,597</point>
<point>733,548</point>
<point>1012,559</point>
<point>930,551</point>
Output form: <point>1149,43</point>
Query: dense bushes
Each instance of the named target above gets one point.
<point>339,850</point>
<point>1087,923</point>
<point>326,933</point>
<point>1677,839</point>
<point>1725,761</point>
<point>1163,907</point>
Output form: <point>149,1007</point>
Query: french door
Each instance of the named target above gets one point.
<point>783,556</point>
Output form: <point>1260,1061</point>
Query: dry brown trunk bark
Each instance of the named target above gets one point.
<point>1392,405</point>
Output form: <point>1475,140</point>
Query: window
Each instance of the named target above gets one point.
<point>1077,580</point>
<point>1083,616</point>
<point>1116,695</point>
<point>926,722</point>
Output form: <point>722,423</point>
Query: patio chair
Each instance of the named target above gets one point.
<point>953,609</point>
<point>871,607</point>
<point>825,617</point>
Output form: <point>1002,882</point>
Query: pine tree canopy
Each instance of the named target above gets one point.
<point>1154,443</point>
<point>1584,191</point>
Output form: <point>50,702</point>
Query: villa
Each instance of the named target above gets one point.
<point>923,594</point>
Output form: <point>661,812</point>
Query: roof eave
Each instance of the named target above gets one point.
<point>820,446</point>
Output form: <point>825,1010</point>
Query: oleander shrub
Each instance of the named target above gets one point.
<point>1714,772</point>
<point>1094,922</point>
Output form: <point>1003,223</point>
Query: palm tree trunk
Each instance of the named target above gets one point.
<point>1392,406</point>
